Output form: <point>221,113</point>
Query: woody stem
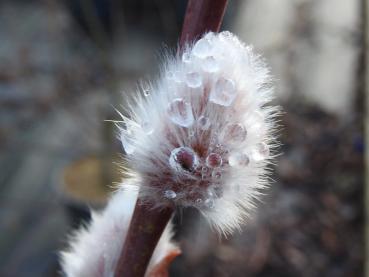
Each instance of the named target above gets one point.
<point>147,223</point>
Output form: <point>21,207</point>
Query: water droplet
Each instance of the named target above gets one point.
<point>226,35</point>
<point>127,138</point>
<point>210,192</point>
<point>210,64</point>
<point>238,159</point>
<point>224,92</point>
<point>170,75</point>
<point>175,76</point>
<point>217,174</point>
<point>183,158</point>
<point>198,201</point>
<point>204,169</point>
<point>193,80</point>
<point>170,194</point>
<point>237,187</point>
<point>186,57</point>
<point>180,112</point>
<point>261,152</point>
<point>145,86</point>
<point>203,123</point>
<point>235,132</point>
<point>218,191</point>
<point>213,160</point>
<point>209,203</point>
<point>202,48</point>
<point>147,127</point>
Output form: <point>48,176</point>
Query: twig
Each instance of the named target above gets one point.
<point>145,230</point>
<point>148,224</point>
<point>202,16</point>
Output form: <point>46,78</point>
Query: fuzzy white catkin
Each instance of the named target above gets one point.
<point>202,135</point>
<point>94,250</point>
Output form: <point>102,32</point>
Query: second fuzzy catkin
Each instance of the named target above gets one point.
<point>203,134</point>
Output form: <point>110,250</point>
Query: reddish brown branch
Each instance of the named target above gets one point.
<point>147,224</point>
<point>202,16</point>
<point>145,230</point>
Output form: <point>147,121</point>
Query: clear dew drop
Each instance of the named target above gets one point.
<point>210,192</point>
<point>175,76</point>
<point>186,57</point>
<point>238,160</point>
<point>203,122</point>
<point>209,203</point>
<point>145,86</point>
<point>202,48</point>
<point>226,35</point>
<point>210,64</point>
<point>214,160</point>
<point>237,188</point>
<point>217,174</point>
<point>170,75</point>
<point>223,92</point>
<point>180,112</point>
<point>261,152</point>
<point>147,127</point>
<point>183,158</point>
<point>218,191</point>
<point>193,80</point>
<point>127,139</point>
<point>198,201</point>
<point>235,132</point>
<point>170,194</point>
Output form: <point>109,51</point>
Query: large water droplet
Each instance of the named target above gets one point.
<point>198,201</point>
<point>235,132</point>
<point>202,48</point>
<point>261,152</point>
<point>209,64</point>
<point>238,159</point>
<point>223,92</point>
<point>180,112</point>
<point>193,80</point>
<point>213,160</point>
<point>127,138</point>
<point>183,158</point>
<point>170,194</point>
<point>203,122</point>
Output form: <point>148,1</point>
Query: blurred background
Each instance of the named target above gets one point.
<point>65,65</point>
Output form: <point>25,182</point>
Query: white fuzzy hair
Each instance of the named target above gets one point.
<point>222,80</point>
<point>94,250</point>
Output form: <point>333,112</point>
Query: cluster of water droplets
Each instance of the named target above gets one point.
<point>198,64</point>
<point>207,170</point>
<point>199,178</point>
